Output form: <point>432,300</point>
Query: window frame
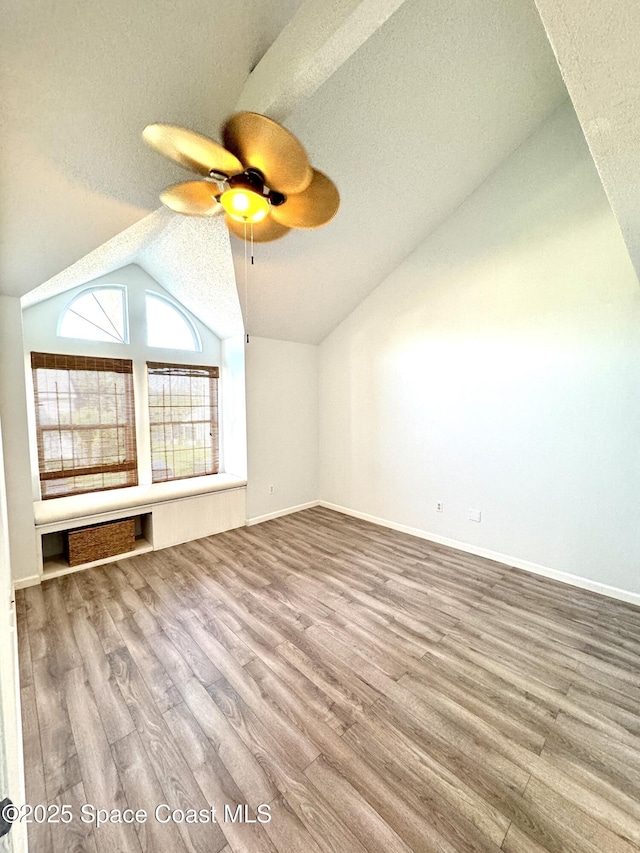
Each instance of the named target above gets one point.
<point>125,315</point>
<point>197,340</point>
<point>175,368</point>
<point>77,363</point>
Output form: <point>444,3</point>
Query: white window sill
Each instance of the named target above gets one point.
<point>56,510</point>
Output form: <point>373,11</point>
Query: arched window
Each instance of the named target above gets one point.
<point>168,326</point>
<point>97,314</point>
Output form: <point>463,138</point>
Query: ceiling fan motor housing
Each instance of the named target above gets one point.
<point>250,179</point>
<point>253,179</point>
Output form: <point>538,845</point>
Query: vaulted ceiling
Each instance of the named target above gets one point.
<point>597,47</point>
<point>79,81</point>
<point>409,108</point>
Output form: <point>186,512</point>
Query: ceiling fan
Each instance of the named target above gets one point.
<point>261,178</point>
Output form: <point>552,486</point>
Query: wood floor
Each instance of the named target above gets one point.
<point>379,692</point>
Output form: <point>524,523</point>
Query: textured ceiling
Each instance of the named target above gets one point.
<point>597,49</point>
<point>318,39</point>
<point>80,79</point>
<point>121,250</point>
<point>409,125</point>
<point>205,285</point>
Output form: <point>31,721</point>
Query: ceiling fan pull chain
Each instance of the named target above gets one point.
<point>246,284</point>
<point>252,243</point>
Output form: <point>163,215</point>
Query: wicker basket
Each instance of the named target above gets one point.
<point>86,544</point>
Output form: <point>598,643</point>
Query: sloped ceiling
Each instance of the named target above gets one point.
<point>205,285</point>
<point>597,49</point>
<point>408,126</point>
<point>79,82</point>
<point>121,250</point>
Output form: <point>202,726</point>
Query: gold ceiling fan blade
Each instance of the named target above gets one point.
<point>191,150</point>
<point>311,208</point>
<point>192,198</point>
<point>263,232</point>
<point>264,144</point>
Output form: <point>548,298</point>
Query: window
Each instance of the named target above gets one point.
<point>183,415</point>
<point>85,423</point>
<point>97,314</point>
<point>168,326</point>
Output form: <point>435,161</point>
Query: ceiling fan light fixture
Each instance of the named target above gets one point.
<point>244,205</point>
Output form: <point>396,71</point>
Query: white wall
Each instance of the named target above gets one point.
<point>282,425</point>
<point>498,367</point>
<point>13,415</point>
<point>234,408</point>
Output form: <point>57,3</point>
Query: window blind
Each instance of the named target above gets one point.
<point>183,416</point>
<point>85,423</point>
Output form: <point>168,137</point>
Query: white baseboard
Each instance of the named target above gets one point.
<point>515,562</point>
<point>258,519</point>
<point>23,583</point>
<point>505,559</point>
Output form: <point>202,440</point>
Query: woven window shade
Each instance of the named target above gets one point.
<point>183,415</point>
<point>85,423</point>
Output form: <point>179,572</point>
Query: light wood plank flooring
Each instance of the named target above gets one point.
<point>379,692</point>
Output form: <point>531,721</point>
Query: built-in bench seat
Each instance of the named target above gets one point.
<point>72,507</point>
<point>166,514</point>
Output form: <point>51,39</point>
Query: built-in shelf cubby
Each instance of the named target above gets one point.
<point>54,561</point>
<point>170,515</point>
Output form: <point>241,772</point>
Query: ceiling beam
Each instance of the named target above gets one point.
<point>596,45</point>
<point>319,38</point>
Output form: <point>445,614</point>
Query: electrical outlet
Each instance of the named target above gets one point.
<point>439,506</point>
<point>271,489</point>
<point>475,515</point>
